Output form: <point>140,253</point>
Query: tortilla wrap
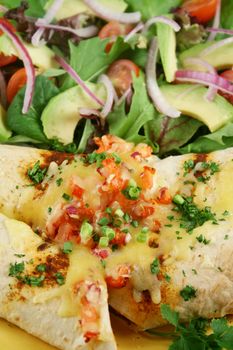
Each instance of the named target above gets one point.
<point>200,259</point>
<point>46,310</point>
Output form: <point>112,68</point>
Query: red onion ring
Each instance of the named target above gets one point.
<point>77,79</point>
<point>220,30</point>
<point>212,91</point>
<point>152,87</point>
<point>162,19</point>
<point>216,21</point>
<point>86,32</point>
<point>36,38</point>
<point>104,79</point>
<point>204,78</point>
<point>109,15</point>
<point>135,30</point>
<point>30,71</point>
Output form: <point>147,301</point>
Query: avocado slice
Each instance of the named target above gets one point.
<point>42,57</point>
<point>61,116</point>
<point>5,133</point>
<point>167,47</point>
<point>191,101</point>
<point>74,7</point>
<point>220,58</point>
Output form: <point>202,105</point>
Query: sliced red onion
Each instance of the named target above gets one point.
<point>50,14</point>
<point>212,91</point>
<point>104,79</point>
<point>25,57</point>
<point>3,98</point>
<point>89,111</point>
<point>81,32</point>
<point>216,46</point>
<point>204,78</point>
<point>161,19</point>
<point>109,15</point>
<point>216,21</point>
<point>77,79</point>
<point>135,30</point>
<point>220,31</point>
<point>153,89</point>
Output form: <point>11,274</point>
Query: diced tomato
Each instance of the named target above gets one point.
<point>164,196</point>
<point>112,30</point>
<point>5,60</point>
<point>17,80</point>
<point>147,177</point>
<point>228,75</point>
<point>77,191</point>
<point>90,335</point>
<point>66,232</point>
<point>119,238</point>
<point>118,282</point>
<point>156,227</point>
<point>202,10</point>
<point>120,73</point>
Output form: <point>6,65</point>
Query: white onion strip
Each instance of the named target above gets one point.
<point>216,21</point>
<point>3,9</point>
<point>220,31</point>
<point>89,111</point>
<point>104,79</point>
<point>204,78</point>
<point>212,91</point>
<point>161,19</point>
<point>86,32</point>
<point>30,71</point>
<point>36,38</point>
<point>153,89</point>
<point>135,30</point>
<point>216,46</point>
<point>103,12</point>
<point>74,75</point>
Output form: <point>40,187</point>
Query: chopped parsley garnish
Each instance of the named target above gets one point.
<point>188,293</point>
<point>191,215</point>
<point>98,158</point>
<point>188,166</point>
<point>60,279</point>
<point>41,267</point>
<point>59,182</point>
<point>167,277</point>
<point>67,197</point>
<point>16,269</point>
<point>202,239</point>
<point>154,267</point>
<point>50,210</point>
<point>193,334</point>
<point>34,281</point>
<point>67,247</point>
<point>19,255</point>
<point>36,173</point>
<point>212,167</point>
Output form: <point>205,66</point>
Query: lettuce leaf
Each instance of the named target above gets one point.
<point>171,133</point>
<point>128,125</point>
<point>220,139</point>
<point>36,7</point>
<point>150,8</point>
<point>89,58</point>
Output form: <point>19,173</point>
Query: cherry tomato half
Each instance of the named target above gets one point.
<point>228,75</point>
<point>112,30</point>
<point>202,10</point>
<point>120,73</point>
<point>17,80</point>
<point>5,60</point>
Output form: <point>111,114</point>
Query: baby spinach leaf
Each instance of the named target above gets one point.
<point>29,124</point>
<point>35,7</point>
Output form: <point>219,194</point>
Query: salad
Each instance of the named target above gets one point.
<point>154,72</point>
<point>146,71</point>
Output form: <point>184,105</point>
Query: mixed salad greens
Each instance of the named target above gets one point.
<point>158,72</point>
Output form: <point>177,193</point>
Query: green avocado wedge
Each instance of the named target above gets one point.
<point>191,101</point>
<point>5,133</point>
<point>42,56</point>
<point>220,58</point>
<point>61,116</point>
